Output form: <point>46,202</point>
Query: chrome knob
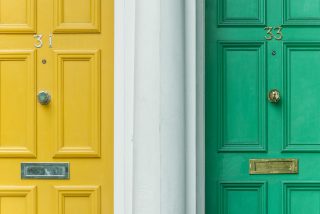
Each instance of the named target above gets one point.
<point>274,96</point>
<point>44,97</point>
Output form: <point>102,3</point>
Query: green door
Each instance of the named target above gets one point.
<point>244,62</point>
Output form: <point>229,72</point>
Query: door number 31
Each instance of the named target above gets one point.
<point>39,43</point>
<point>270,34</point>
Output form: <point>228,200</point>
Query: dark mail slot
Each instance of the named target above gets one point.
<point>45,171</point>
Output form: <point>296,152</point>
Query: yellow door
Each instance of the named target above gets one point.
<point>75,66</point>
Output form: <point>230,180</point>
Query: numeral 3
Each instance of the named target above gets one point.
<point>39,41</point>
<point>269,32</point>
<point>279,32</point>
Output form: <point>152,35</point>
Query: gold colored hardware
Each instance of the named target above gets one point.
<point>271,35</point>
<point>274,96</point>
<point>269,32</point>
<point>273,166</point>
<point>279,32</point>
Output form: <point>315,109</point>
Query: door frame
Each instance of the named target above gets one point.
<point>124,50</point>
<point>124,37</point>
<point>200,102</point>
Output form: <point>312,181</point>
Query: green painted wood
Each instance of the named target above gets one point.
<point>233,88</point>
<point>240,122</point>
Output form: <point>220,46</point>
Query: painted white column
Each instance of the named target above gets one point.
<point>159,107</point>
<point>146,139</point>
<point>159,143</point>
<point>172,98</point>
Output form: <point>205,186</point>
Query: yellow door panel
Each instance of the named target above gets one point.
<point>85,18</point>
<point>17,16</point>
<point>18,199</point>
<point>76,127</point>
<point>78,199</point>
<point>17,104</point>
<point>77,83</point>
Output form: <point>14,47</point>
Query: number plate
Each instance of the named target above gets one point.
<point>273,166</point>
<point>54,171</point>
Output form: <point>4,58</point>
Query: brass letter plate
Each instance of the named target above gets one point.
<point>273,166</point>
<point>54,171</point>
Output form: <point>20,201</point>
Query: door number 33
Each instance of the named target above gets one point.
<point>270,34</point>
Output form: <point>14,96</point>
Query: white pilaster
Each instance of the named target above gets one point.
<point>172,107</point>
<point>159,116</point>
<point>147,110</point>
<point>159,106</point>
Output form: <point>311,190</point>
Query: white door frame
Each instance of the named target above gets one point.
<point>124,51</point>
<point>124,26</point>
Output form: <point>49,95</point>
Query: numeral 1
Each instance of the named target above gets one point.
<point>50,40</point>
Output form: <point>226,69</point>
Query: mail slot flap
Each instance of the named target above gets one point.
<point>45,171</point>
<point>273,166</point>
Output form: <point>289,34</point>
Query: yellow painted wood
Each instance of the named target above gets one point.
<point>17,116</point>
<point>78,199</point>
<point>77,126</point>
<point>18,199</point>
<point>17,16</point>
<point>78,78</point>
<point>85,18</point>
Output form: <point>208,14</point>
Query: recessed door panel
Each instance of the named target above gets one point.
<point>78,111</point>
<point>302,115</point>
<point>17,16</point>
<point>85,18</point>
<point>78,199</point>
<point>18,199</point>
<point>301,12</point>
<point>232,12</point>
<point>242,111</point>
<point>248,197</point>
<point>18,106</point>
<point>301,196</point>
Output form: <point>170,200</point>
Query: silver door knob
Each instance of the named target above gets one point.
<point>44,97</point>
<point>274,96</point>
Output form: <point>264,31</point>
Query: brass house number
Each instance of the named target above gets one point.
<point>270,35</point>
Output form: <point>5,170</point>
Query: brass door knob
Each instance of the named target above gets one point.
<point>274,96</point>
<point>44,97</point>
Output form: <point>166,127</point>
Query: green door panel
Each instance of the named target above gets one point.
<point>241,96</point>
<point>301,110</point>
<point>241,124</point>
